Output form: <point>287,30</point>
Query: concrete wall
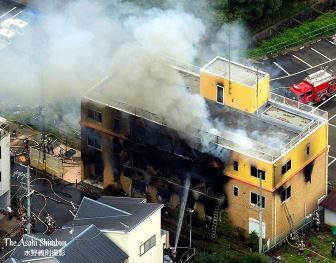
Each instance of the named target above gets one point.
<point>130,242</point>
<point>5,169</point>
<point>329,217</point>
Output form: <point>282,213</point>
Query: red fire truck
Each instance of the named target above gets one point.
<point>317,87</point>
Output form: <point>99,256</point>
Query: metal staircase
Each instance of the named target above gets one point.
<point>291,224</point>
<point>215,221</point>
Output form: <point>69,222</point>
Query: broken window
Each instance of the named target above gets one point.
<point>235,165</point>
<point>255,198</point>
<point>94,139</point>
<point>285,194</point>
<point>286,167</point>
<point>255,172</point>
<point>94,115</point>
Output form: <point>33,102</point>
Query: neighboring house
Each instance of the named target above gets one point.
<point>329,205</point>
<point>4,164</point>
<point>264,136</point>
<point>72,245</point>
<point>131,223</point>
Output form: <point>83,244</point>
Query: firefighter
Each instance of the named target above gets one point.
<point>301,248</point>
<point>332,250</point>
<point>316,220</point>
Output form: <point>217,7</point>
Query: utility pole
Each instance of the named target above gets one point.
<point>28,200</point>
<point>260,212</point>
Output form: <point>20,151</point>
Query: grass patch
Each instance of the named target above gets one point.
<point>319,242</point>
<point>322,26</point>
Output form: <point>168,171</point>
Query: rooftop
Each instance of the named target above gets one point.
<point>234,71</point>
<point>113,213</point>
<point>266,134</point>
<point>330,201</point>
<point>83,244</point>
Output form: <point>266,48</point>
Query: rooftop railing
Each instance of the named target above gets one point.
<point>189,68</point>
<point>278,99</point>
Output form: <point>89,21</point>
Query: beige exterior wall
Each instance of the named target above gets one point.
<point>130,242</point>
<point>303,200</point>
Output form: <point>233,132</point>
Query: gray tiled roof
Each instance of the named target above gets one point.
<point>131,213</point>
<point>83,244</point>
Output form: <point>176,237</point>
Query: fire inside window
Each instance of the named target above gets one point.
<point>147,245</point>
<point>286,167</point>
<point>286,193</point>
<point>235,191</point>
<point>256,173</point>
<point>255,198</point>
<point>235,165</point>
<point>95,115</point>
<point>94,139</point>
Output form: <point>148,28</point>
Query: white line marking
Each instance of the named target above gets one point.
<point>7,12</point>
<point>16,14</point>
<point>325,101</point>
<point>281,68</point>
<point>302,61</point>
<point>332,125</point>
<point>294,74</point>
<point>331,42</point>
<point>318,52</point>
<point>333,159</point>
<point>331,162</point>
<point>332,117</point>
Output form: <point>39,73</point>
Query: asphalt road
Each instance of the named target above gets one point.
<point>45,200</point>
<point>293,67</point>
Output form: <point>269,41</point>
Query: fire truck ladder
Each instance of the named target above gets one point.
<point>215,221</point>
<point>291,224</point>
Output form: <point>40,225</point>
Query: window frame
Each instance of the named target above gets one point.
<point>235,165</point>
<point>286,195</point>
<point>147,245</point>
<point>263,200</point>
<point>222,87</point>
<point>284,168</point>
<point>95,115</point>
<point>307,150</point>
<point>94,139</point>
<point>235,188</point>
<point>263,175</point>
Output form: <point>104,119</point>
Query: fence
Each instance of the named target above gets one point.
<point>52,165</point>
<point>303,227</point>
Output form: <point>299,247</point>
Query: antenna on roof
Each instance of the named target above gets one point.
<point>229,53</point>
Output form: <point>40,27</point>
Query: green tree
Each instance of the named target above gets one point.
<point>253,241</point>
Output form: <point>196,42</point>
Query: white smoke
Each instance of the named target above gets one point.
<point>78,42</point>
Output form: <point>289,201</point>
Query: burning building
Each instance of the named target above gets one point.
<point>258,135</point>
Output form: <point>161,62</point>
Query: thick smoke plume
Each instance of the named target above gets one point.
<point>76,43</point>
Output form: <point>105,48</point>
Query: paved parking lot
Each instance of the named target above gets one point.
<point>294,66</point>
<point>8,10</point>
